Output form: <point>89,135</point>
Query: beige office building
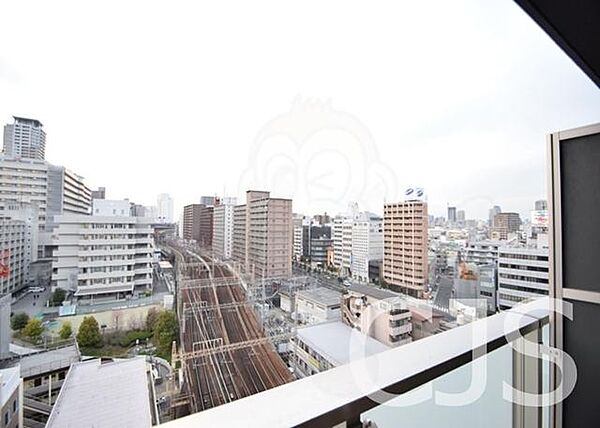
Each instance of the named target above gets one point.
<point>405,263</point>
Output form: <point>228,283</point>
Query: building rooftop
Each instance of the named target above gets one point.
<point>9,380</point>
<point>96,393</point>
<point>323,296</point>
<point>33,364</point>
<point>340,343</point>
<point>377,293</point>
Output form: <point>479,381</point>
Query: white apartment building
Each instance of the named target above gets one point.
<point>67,194</point>
<point>12,255</point>
<point>18,244</point>
<point>338,246</point>
<point>24,180</point>
<point>164,208</point>
<point>222,240</point>
<point>522,274</point>
<point>24,138</point>
<point>320,347</point>
<point>483,252</point>
<point>379,313</point>
<point>103,257</point>
<point>298,238</point>
<point>366,245</point>
<point>239,234</point>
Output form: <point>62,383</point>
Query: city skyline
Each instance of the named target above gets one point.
<point>459,133</point>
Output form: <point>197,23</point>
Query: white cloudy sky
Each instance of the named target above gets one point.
<point>321,101</point>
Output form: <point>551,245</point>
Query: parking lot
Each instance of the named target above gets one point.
<point>32,305</point>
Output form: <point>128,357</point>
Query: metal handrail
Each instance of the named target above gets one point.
<point>332,397</point>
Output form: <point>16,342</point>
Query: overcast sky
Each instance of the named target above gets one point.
<point>320,101</point>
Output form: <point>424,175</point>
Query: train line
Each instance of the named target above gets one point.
<point>223,349</point>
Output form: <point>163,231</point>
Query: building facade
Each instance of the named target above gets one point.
<point>405,258</point>
<point>269,233</point>
<point>191,222</point>
<point>164,208</point>
<point>505,224</point>
<point>11,398</point>
<point>367,244</point>
<point>522,275</point>
<point>239,234</point>
<point>103,256</point>
<point>24,180</point>
<point>378,313</point>
<point>483,252</point>
<point>25,138</point>
<point>222,239</point>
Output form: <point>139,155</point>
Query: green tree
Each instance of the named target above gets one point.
<point>33,330</point>
<point>66,330</point>
<point>88,335</point>
<point>165,332</point>
<point>151,318</point>
<point>19,321</point>
<point>58,296</point>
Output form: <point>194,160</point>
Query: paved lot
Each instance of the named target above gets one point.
<point>31,305</point>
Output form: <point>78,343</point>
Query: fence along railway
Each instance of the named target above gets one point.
<point>224,352</point>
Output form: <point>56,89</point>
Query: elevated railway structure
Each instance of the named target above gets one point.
<point>224,352</point>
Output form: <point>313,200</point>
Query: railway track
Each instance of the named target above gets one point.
<point>223,348</point>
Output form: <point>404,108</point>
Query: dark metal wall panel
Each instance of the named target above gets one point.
<point>582,342</point>
<point>580,197</point>
<point>574,25</point>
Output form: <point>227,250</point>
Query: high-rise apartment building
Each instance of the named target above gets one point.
<point>452,214</point>
<point>495,210</point>
<point>164,208</point>
<point>522,274</point>
<point>239,234</point>
<point>222,239</point>
<point>367,244</point>
<point>298,244</point>
<point>103,257</point>
<point>54,190</point>
<point>24,139</point>
<point>13,263</point>
<point>191,222</point>
<point>405,258</point>
<point>461,216</point>
<point>269,233</point>
<point>24,180</point>
<point>67,194</point>
<point>337,234</point>
<point>505,224</point>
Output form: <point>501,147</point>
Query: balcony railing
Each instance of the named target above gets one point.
<point>455,378</point>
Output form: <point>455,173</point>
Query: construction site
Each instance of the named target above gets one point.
<point>227,350</point>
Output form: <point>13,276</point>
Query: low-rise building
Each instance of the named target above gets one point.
<point>105,392</point>
<point>317,305</point>
<point>323,346</point>
<point>522,275</point>
<point>379,313</point>
<point>11,398</point>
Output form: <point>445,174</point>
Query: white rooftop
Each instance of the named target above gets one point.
<point>9,381</point>
<point>322,295</point>
<point>111,394</point>
<point>339,343</point>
